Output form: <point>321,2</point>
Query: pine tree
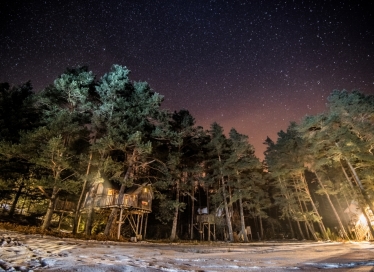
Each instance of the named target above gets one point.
<point>217,155</point>
<point>244,170</point>
<point>16,114</point>
<point>342,138</point>
<point>53,146</point>
<point>178,136</point>
<point>125,118</point>
<point>285,161</point>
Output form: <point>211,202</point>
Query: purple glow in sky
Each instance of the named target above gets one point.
<point>252,65</point>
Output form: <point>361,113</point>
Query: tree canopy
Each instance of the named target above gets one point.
<point>80,132</point>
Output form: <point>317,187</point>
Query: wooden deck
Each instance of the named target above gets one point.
<point>129,202</point>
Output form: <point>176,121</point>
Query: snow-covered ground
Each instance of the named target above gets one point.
<point>36,253</point>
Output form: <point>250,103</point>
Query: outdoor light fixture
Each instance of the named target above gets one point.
<point>362,220</point>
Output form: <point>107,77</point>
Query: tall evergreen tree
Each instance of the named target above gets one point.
<point>16,114</point>
<point>341,138</point>
<point>126,118</point>
<point>244,171</point>
<point>54,146</point>
<point>286,160</point>
<point>218,153</point>
<point>179,135</point>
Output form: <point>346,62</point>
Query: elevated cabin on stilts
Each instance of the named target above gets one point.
<point>134,207</point>
<point>206,222</point>
<point>64,208</point>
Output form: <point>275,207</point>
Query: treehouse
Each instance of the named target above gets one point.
<point>134,205</point>
<point>64,206</point>
<point>206,221</point>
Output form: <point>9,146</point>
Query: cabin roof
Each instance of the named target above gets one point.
<point>136,189</point>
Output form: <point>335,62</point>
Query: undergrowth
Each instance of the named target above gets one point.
<point>36,230</point>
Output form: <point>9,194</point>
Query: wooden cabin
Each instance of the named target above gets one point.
<point>207,222</point>
<point>134,206</point>
<point>136,197</point>
<point>64,206</point>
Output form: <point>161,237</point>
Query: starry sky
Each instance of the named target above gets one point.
<point>252,65</point>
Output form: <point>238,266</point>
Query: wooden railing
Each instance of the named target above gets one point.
<point>205,218</point>
<point>64,205</point>
<point>210,218</point>
<point>112,200</point>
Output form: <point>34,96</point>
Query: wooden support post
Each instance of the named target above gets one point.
<point>201,230</point>
<point>59,220</point>
<point>214,228</point>
<point>208,232</point>
<point>137,226</point>
<point>145,226</point>
<point>28,208</point>
<point>132,222</point>
<point>141,224</point>
<point>119,223</point>
<point>79,222</point>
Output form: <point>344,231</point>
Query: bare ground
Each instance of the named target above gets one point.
<point>20,252</point>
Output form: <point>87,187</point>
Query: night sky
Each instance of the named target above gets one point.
<point>252,65</point>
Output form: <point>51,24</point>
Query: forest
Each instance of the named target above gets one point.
<point>64,147</point>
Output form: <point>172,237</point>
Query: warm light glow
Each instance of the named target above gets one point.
<point>145,190</point>
<point>362,219</point>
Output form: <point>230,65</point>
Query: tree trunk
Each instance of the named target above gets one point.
<point>228,219</point>
<point>332,206</point>
<point>192,211</point>
<point>290,210</point>
<point>368,221</point>
<point>113,215</point>
<point>347,177</point>
<point>306,229</point>
<point>311,230</point>
<point>300,230</point>
<point>320,222</point>
<point>50,210</point>
<point>272,228</point>
<point>301,208</point>
<point>366,197</point>
<point>173,234</point>
<point>242,222</point>
<point>291,227</point>
<point>79,204</point>
<point>16,198</point>
<point>261,227</point>
<point>91,210</point>
<point>359,183</point>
